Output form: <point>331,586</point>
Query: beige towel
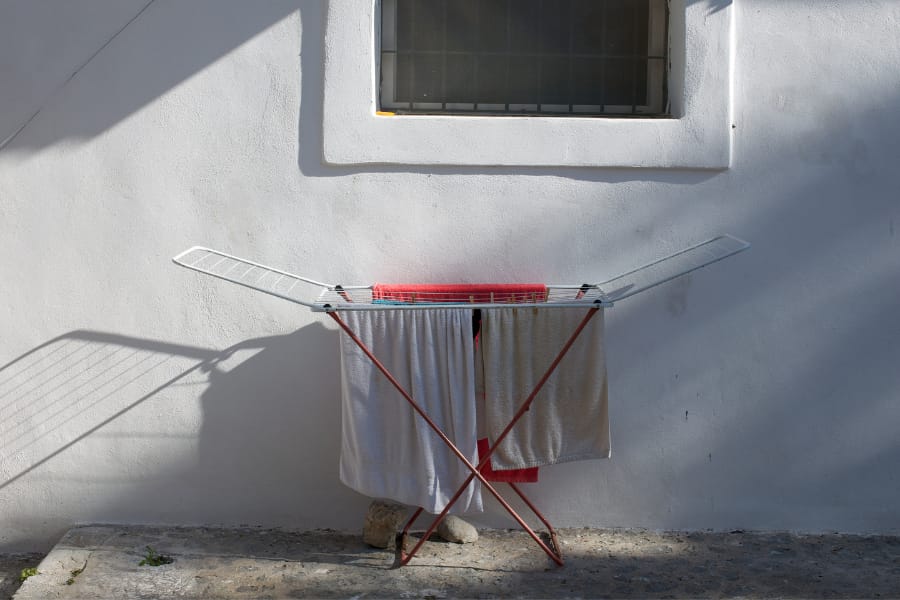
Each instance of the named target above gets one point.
<point>569,418</point>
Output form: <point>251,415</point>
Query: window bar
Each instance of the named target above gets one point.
<point>634,52</point>
<point>540,63</point>
<point>571,82</point>
<point>508,52</point>
<point>476,55</point>
<point>665,79</point>
<point>604,17</point>
<point>397,75</point>
<point>444,57</point>
<point>412,53</point>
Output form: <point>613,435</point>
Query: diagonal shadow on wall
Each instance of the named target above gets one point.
<point>70,387</point>
<point>253,451</point>
<point>108,60</point>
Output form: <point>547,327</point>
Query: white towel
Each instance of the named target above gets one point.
<point>387,450</point>
<point>568,419</point>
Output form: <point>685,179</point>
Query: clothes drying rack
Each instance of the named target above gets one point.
<point>334,298</point>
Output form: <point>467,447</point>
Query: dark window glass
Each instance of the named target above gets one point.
<point>428,25</point>
<point>524,26</point>
<point>555,25</point>
<point>587,81</point>
<point>523,80</point>
<point>460,83</point>
<point>585,56</point>
<point>554,80</point>
<point>491,77</point>
<point>462,25</point>
<point>587,38</point>
<point>493,18</point>
<point>405,23</point>
<point>619,81</point>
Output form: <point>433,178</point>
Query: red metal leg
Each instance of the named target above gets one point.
<point>475,471</point>
<point>453,448</point>
<point>404,535</point>
<point>553,539</point>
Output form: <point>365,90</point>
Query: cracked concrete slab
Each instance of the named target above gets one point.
<point>104,562</point>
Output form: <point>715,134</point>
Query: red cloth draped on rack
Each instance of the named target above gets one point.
<point>529,475</point>
<point>480,293</point>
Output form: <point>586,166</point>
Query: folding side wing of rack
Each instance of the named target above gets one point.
<point>333,299</point>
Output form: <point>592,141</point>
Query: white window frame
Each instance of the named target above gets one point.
<point>698,135</point>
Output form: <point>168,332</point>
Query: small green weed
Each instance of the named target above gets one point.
<point>154,559</point>
<point>75,573</point>
<point>26,573</point>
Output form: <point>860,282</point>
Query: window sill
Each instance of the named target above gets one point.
<point>699,136</point>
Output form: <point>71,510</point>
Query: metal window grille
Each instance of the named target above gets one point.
<point>548,57</point>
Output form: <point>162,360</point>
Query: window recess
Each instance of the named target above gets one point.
<point>514,57</point>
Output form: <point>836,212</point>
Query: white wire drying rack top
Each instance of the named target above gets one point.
<point>333,297</point>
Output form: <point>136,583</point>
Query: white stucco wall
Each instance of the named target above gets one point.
<point>761,393</point>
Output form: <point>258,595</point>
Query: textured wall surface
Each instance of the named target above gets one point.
<point>760,393</point>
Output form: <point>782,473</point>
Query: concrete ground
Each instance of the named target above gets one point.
<point>11,566</point>
<point>104,562</point>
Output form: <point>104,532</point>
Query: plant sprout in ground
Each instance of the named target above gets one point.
<point>153,559</point>
<point>75,573</point>
<point>26,573</point>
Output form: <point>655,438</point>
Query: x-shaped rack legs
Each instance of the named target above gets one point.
<point>554,553</point>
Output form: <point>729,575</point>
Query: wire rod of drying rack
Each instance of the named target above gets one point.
<point>332,297</point>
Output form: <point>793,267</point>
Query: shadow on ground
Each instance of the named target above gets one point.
<point>254,563</point>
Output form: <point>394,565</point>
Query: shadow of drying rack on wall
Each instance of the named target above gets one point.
<point>334,298</point>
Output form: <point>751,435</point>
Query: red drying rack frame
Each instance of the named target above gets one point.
<point>404,557</point>
<point>335,298</point>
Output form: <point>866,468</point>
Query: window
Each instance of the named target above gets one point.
<point>548,57</point>
<point>696,132</point>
